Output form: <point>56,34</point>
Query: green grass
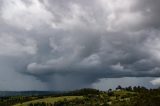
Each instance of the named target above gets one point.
<point>49,100</point>
<point>123,92</point>
<point>119,96</point>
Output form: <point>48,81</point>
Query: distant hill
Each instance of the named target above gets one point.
<point>27,93</point>
<point>39,93</point>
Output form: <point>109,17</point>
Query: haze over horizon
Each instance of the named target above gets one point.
<point>71,44</point>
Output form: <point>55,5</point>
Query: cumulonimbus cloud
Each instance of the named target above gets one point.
<point>77,42</point>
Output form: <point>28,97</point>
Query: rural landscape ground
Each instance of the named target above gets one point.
<point>129,96</point>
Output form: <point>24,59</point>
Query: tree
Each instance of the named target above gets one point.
<point>118,87</point>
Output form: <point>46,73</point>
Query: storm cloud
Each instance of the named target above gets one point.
<point>68,44</point>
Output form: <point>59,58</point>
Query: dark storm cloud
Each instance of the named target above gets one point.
<point>69,44</point>
<point>150,10</point>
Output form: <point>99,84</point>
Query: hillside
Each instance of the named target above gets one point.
<point>49,100</point>
<point>136,96</point>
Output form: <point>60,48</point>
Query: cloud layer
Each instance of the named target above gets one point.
<point>71,44</point>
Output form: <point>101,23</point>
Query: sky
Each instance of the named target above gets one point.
<point>72,44</point>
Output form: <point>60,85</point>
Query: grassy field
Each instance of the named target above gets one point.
<point>117,96</point>
<point>50,100</point>
<point>137,96</point>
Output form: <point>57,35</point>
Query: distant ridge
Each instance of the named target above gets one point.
<point>27,93</point>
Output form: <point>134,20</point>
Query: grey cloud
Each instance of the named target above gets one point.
<point>70,44</point>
